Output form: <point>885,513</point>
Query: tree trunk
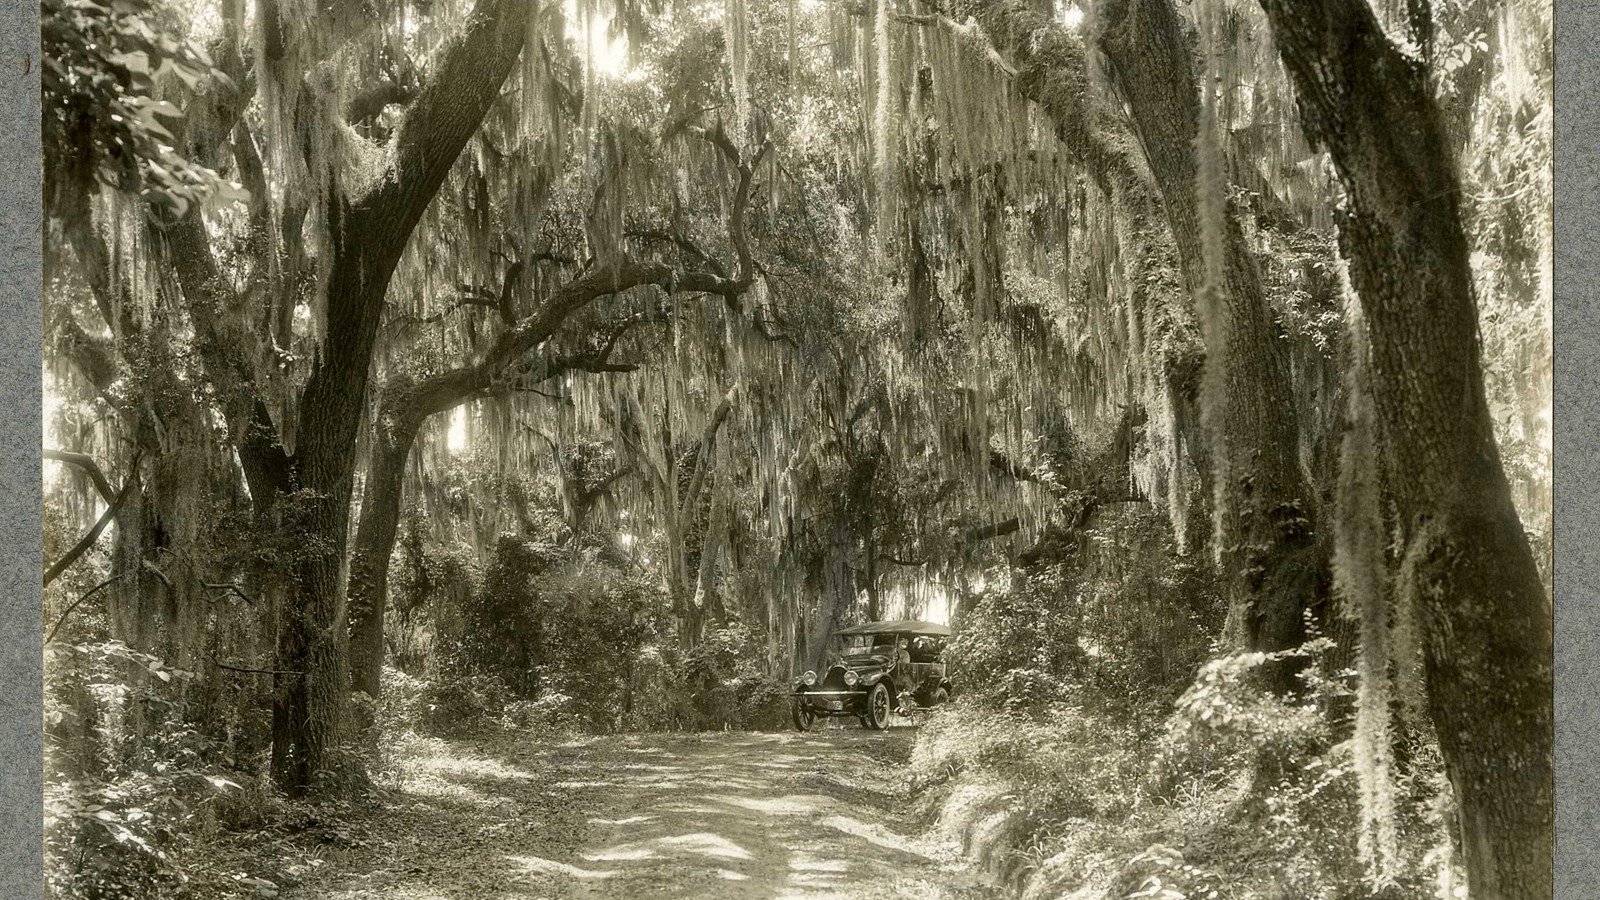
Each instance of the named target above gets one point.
<point>838,597</point>
<point>309,699</point>
<point>1053,72</point>
<point>707,602</point>
<point>1487,618</point>
<point>376,527</point>
<point>368,234</point>
<point>1267,548</point>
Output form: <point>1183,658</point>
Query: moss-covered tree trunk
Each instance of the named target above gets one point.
<point>1052,70</point>
<point>1486,616</point>
<point>836,597</point>
<point>368,234</point>
<point>1267,547</point>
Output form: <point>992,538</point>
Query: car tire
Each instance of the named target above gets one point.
<point>877,717</point>
<point>940,697</point>
<point>803,717</point>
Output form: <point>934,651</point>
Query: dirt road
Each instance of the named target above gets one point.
<point>730,815</point>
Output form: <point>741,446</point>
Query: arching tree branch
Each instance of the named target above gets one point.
<point>93,535</point>
<point>91,468</point>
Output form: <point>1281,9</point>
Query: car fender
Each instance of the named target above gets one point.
<point>894,693</point>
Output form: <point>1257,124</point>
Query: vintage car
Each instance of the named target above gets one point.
<point>874,669</point>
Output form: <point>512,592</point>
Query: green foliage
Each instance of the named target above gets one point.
<point>457,702</point>
<point>1293,784</point>
<point>108,71</point>
<point>1240,794</point>
<point>1302,281</point>
<point>728,684</point>
<point>1019,647</point>
<point>1226,718</point>
<point>559,626</point>
<point>430,582</point>
<point>504,622</point>
<point>1162,873</point>
<point>596,681</point>
<point>1117,622</point>
<point>118,839</point>
<point>132,783</point>
<point>1051,776</point>
<point>597,622</point>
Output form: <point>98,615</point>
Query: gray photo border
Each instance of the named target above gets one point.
<point>21,770</point>
<point>1577,476</point>
<point>1577,458</point>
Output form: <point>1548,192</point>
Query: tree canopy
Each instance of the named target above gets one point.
<point>623,351</point>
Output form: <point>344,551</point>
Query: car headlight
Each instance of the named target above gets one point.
<point>809,678</point>
<point>850,678</point>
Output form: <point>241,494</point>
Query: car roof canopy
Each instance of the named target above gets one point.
<point>899,626</point>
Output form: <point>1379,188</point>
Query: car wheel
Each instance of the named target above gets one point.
<point>940,697</point>
<point>878,707</point>
<point>804,718</point>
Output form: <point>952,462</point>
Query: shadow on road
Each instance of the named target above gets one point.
<point>719,815</point>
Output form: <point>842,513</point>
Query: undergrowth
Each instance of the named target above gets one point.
<point>1096,758</point>
<point>1240,794</point>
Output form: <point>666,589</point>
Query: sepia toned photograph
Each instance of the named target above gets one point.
<point>797,449</point>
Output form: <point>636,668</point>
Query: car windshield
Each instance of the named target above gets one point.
<point>865,644</point>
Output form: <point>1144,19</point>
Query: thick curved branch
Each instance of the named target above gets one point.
<point>683,243</point>
<point>1051,69</point>
<point>994,530</point>
<point>369,232</point>
<point>738,231</point>
<point>968,32</point>
<point>91,468</point>
<point>369,103</point>
<point>89,539</point>
<point>465,82</point>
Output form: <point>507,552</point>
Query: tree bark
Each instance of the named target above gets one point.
<point>113,505</point>
<point>1267,547</point>
<point>376,527</point>
<point>1486,616</point>
<point>368,235</point>
<point>1052,71</point>
<point>838,596</point>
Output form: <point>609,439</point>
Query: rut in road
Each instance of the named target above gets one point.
<point>715,815</point>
